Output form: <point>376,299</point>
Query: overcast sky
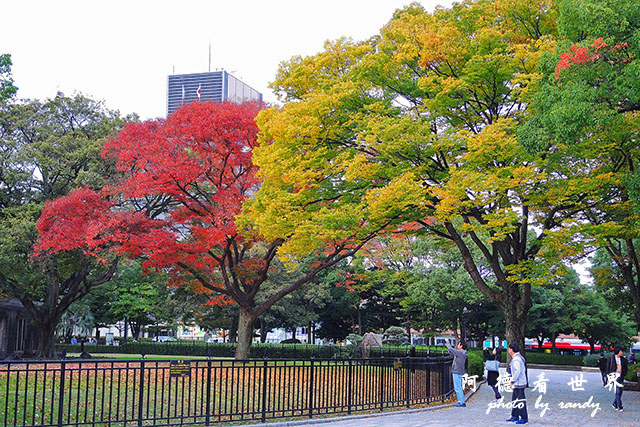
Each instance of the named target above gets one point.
<point>122,51</point>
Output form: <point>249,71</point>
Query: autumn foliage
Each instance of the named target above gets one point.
<point>596,51</point>
<point>193,171</point>
<point>84,220</point>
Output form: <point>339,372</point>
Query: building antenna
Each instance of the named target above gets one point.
<point>209,55</point>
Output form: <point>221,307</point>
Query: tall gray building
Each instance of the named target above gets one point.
<point>216,86</point>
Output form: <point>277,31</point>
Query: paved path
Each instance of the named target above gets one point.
<point>595,399</point>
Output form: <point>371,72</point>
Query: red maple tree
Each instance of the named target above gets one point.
<point>189,175</point>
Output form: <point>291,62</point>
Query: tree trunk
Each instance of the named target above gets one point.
<point>263,331</point>
<point>126,329</point>
<point>515,327</point>
<point>45,333</point>
<point>233,330</point>
<point>136,328</point>
<point>245,334</point>
<point>554,337</point>
<point>456,334</point>
<point>293,333</point>
<point>408,329</point>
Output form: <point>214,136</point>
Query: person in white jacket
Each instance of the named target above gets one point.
<point>518,383</point>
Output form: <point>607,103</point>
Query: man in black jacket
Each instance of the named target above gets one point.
<point>617,365</point>
<point>602,364</point>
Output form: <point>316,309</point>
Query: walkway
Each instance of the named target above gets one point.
<point>595,410</point>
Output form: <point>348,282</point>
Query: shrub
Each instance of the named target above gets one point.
<point>553,359</point>
<point>395,335</point>
<point>592,359</point>
<point>475,364</point>
<point>355,339</point>
<point>632,374</point>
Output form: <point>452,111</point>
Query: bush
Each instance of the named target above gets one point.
<point>591,360</point>
<point>632,374</point>
<point>355,339</point>
<point>475,364</point>
<point>395,335</point>
<point>553,359</point>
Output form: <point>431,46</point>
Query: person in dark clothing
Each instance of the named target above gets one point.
<point>492,363</point>
<point>602,365</point>
<point>619,366</point>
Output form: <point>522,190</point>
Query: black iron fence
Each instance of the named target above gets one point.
<point>205,392</point>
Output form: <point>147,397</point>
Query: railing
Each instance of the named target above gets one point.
<point>205,392</point>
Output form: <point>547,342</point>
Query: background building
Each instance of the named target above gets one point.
<point>17,336</point>
<point>216,86</point>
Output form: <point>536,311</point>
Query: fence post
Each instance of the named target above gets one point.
<point>350,386</point>
<point>264,391</point>
<point>63,366</point>
<point>427,369</point>
<point>208,410</point>
<point>311,371</point>
<point>382,369</point>
<point>141,393</point>
<point>445,379</point>
<point>408,378</point>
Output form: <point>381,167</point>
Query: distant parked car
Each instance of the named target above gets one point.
<point>164,338</point>
<point>212,340</point>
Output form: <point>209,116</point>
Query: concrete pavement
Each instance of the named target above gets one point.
<point>571,398</point>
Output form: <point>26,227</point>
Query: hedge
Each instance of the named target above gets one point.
<point>553,359</point>
<point>306,351</point>
<point>257,351</point>
<point>541,358</point>
<point>475,365</point>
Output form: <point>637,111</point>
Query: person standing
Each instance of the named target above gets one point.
<point>518,383</point>
<point>492,365</point>
<point>458,369</point>
<point>618,364</point>
<point>602,365</point>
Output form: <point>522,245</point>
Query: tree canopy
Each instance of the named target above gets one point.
<point>48,150</point>
<point>415,131</point>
